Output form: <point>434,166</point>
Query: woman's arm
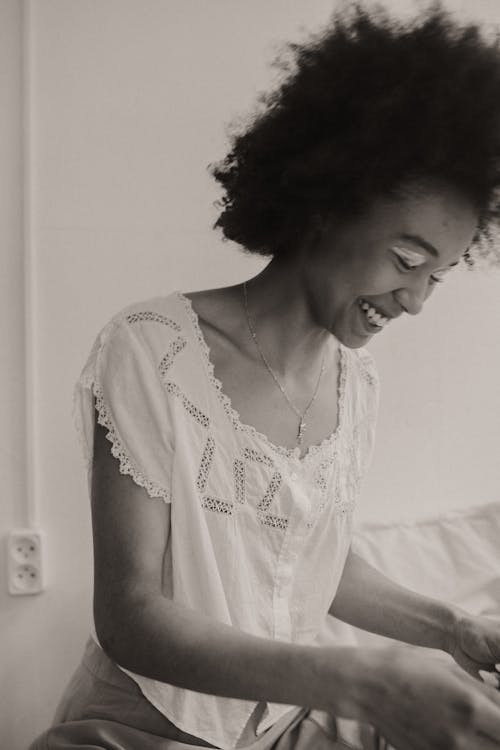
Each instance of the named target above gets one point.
<point>147,633</point>
<point>403,695</point>
<point>369,600</point>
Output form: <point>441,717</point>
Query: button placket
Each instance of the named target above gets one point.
<point>284,584</point>
<point>308,503</point>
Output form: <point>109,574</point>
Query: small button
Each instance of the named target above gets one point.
<point>294,476</point>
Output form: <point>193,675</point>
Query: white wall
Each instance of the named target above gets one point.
<point>129,102</point>
<point>16,617</point>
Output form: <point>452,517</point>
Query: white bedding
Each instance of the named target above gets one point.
<point>454,557</point>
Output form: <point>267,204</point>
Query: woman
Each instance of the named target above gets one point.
<point>227,431</point>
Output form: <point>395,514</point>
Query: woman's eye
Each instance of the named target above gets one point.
<point>407,266</point>
<point>438,277</point>
<point>408,259</point>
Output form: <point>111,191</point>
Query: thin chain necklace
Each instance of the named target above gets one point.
<point>301,416</point>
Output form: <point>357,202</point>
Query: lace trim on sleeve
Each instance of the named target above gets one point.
<point>126,466</point>
<point>80,431</point>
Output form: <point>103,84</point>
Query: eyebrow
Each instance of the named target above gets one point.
<point>417,240</point>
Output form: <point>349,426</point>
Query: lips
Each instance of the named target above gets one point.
<point>372,317</point>
<point>378,309</point>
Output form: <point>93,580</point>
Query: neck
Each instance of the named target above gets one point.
<point>283,320</point>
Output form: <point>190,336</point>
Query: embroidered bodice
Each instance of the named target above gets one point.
<point>259,535</point>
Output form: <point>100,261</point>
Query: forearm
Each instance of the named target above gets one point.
<point>166,642</point>
<point>371,601</point>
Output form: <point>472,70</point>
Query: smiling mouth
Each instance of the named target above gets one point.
<point>372,315</point>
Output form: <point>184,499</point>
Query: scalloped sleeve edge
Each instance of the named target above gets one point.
<point>126,465</point>
<point>84,409</point>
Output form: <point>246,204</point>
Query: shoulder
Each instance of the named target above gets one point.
<point>219,310</point>
<point>155,321</point>
<point>162,311</point>
<point>144,330</point>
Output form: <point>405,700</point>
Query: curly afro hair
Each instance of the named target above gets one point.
<point>365,107</point>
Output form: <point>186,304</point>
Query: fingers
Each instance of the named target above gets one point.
<point>441,706</point>
<point>490,677</point>
<point>491,692</point>
<point>489,700</point>
<point>487,716</point>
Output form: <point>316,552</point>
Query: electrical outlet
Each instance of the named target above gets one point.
<point>25,562</point>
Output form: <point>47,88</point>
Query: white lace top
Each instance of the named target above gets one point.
<point>259,535</point>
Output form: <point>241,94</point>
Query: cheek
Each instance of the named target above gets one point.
<point>373,280</point>
<point>354,275</point>
<point>368,264</point>
<point>381,276</point>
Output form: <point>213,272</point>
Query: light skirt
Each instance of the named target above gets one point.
<point>103,709</point>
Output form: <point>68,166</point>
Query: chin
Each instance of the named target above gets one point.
<point>356,342</point>
<point>350,339</point>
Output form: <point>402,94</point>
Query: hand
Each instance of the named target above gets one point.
<point>419,702</point>
<point>475,644</point>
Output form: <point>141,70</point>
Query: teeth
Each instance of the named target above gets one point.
<point>373,316</point>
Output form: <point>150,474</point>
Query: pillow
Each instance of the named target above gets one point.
<point>453,557</point>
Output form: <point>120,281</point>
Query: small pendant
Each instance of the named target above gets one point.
<point>302,429</point>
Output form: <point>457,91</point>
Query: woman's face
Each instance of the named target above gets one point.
<point>362,274</point>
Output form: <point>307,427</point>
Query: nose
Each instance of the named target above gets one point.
<point>412,296</point>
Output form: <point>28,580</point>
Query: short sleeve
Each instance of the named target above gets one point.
<point>132,405</point>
